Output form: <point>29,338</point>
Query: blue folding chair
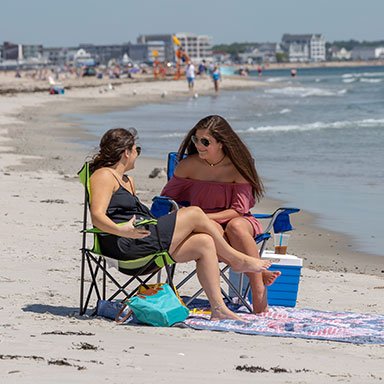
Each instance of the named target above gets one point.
<point>278,220</point>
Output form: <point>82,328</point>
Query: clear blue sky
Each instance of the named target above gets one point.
<point>70,22</point>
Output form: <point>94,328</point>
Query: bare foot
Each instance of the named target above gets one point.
<point>251,264</point>
<point>260,302</point>
<point>269,277</point>
<point>221,312</point>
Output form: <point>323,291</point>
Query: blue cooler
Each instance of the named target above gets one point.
<point>284,290</point>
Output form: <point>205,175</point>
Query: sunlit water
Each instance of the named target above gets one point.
<point>319,139</point>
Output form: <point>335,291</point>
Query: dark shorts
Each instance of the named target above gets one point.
<point>123,248</point>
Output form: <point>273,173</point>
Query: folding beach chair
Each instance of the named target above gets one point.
<point>94,261</point>
<point>278,221</point>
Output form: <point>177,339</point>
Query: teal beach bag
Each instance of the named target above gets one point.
<point>158,306</point>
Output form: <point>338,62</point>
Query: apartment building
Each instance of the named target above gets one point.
<point>198,47</point>
<point>308,47</point>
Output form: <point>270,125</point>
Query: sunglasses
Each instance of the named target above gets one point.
<point>203,141</point>
<point>138,150</point>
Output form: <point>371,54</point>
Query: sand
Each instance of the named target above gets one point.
<point>42,337</point>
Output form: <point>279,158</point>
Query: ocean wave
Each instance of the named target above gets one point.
<point>274,79</point>
<point>349,80</point>
<point>171,135</point>
<point>300,91</point>
<point>364,80</point>
<point>364,74</point>
<point>285,110</point>
<point>317,126</point>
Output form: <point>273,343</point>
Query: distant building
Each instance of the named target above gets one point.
<point>367,53</point>
<point>136,52</point>
<point>11,51</point>
<point>102,54</point>
<point>166,39</point>
<point>159,48</point>
<point>32,51</point>
<point>301,48</point>
<point>58,55</point>
<point>338,54</point>
<point>221,57</point>
<point>198,47</point>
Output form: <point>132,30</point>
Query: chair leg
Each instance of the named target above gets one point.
<point>81,311</point>
<point>238,294</point>
<point>104,279</point>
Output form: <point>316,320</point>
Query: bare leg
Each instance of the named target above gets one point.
<point>194,220</point>
<point>239,232</point>
<point>201,247</point>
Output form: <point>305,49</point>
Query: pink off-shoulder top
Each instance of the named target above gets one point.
<point>214,197</point>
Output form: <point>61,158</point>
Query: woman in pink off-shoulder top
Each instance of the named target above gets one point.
<point>219,176</point>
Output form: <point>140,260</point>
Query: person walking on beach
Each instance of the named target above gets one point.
<point>216,77</point>
<point>219,176</point>
<point>187,234</point>
<point>190,73</point>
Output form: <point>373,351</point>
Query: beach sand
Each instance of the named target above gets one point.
<point>42,337</point>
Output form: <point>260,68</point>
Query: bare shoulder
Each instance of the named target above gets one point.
<point>236,176</point>
<point>103,177</point>
<point>102,174</point>
<point>186,166</point>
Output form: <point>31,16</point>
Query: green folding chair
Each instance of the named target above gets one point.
<point>96,262</point>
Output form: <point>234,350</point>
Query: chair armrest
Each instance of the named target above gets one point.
<point>97,230</point>
<point>279,219</point>
<point>162,205</point>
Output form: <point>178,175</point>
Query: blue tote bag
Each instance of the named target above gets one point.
<point>158,306</point>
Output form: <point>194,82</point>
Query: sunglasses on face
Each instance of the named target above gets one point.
<point>203,141</point>
<point>138,150</point>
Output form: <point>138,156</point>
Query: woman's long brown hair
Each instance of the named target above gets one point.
<point>233,147</point>
<point>112,145</point>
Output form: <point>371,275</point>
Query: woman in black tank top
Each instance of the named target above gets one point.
<point>187,234</point>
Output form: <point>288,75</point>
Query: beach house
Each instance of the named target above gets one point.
<point>304,48</point>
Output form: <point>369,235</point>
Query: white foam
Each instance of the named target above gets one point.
<point>285,110</point>
<point>364,80</point>
<point>274,79</point>
<point>364,74</point>
<point>169,135</point>
<point>349,80</point>
<point>317,126</point>
<point>300,91</point>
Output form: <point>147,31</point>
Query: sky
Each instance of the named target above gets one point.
<point>71,22</point>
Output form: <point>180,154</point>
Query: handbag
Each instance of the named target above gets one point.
<point>157,306</point>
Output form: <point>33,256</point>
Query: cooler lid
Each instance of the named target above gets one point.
<point>290,260</point>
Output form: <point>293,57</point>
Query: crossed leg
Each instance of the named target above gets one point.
<point>194,220</point>
<point>201,247</point>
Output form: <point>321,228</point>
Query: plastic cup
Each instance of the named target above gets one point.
<point>281,243</point>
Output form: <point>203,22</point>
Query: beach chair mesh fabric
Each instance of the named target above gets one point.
<point>96,262</point>
<point>278,220</point>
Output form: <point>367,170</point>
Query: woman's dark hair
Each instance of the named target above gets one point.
<point>112,145</point>
<point>233,147</point>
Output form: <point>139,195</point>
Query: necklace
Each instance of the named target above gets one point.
<point>214,164</point>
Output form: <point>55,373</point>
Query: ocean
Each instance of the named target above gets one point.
<point>318,139</point>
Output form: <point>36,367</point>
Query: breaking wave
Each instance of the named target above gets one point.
<point>367,123</point>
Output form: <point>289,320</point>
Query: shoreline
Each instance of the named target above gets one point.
<point>323,64</point>
<point>328,250</point>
